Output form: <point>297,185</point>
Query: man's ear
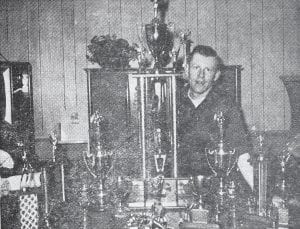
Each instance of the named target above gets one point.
<point>217,75</point>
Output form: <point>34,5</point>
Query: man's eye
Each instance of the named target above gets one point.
<point>195,67</point>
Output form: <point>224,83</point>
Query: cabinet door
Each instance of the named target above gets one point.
<point>16,104</point>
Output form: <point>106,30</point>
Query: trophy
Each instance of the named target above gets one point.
<point>100,160</point>
<point>223,161</point>
<point>200,188</point>
<point>123,188</point>
<point>283,212</point>
<point>159,39</point>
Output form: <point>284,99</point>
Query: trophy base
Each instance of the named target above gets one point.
<point>198,226</point>
<point>199,216</point>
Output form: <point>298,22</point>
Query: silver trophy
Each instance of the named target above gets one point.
<point>221,162</point>
<point>99,160</point>
<point>200,188</point>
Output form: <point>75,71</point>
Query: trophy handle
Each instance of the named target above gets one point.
<point>86,164</point>
<point>233,165</point>
<point>207,151</point>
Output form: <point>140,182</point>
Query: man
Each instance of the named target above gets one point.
<point>199,102</point>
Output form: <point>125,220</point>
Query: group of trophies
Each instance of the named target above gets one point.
<point>221,162</point>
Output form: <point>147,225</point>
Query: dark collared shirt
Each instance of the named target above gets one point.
<point>198,130</point>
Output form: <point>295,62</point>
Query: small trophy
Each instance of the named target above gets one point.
<point>224,162</point>
<point>101,159</point>
<point>53,139</point>
<point>283,212</point>
<point>221,165</point>
<point>123,190</point>
<point>198,213</point>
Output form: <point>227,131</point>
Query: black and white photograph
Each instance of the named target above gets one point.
<point>149,114</point>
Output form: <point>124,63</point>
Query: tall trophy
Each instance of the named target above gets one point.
<point>221,162</point>
<point>99,160</point>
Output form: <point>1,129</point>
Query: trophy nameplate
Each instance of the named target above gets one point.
<point>199,215</point>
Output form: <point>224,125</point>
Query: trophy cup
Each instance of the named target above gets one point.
<point>223,162</point>
<point>159,39</point>
<point>99,157</point>
<point>123,189</point>
<point>200,187</point>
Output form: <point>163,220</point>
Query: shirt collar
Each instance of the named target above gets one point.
<point>198,100</point>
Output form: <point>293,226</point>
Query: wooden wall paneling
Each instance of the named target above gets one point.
<point>239,49</point>
<point>115,17</point>
<point>35,61</point>
<point>176,14</point>
<point>70,89</point>
<point>51,64</point>
<point>221,7</point>
<point>147,11</point>
<point>97,21</point>
<point>191,17</point>
<point>4,45</point>
<point>257,64</point>
<point>273,52</point>
<point>291,50</point>
<point>206,23</point>
<point>131,19</point>
<point>17,31</point>
<point>81,62</point>
<point>146,15</point>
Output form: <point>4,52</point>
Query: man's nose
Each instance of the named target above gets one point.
<point>200,73</point>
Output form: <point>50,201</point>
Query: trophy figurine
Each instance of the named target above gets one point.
<point>223,161</point>
<point>99,157</point>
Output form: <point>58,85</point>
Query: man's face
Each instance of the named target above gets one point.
<point>202,72</point>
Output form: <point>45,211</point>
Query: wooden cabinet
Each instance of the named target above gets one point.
<point>16,106</point>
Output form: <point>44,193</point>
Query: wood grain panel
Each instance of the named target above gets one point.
<point>115,18</point>
<point>273,52</point>
<point>222,28</point>
<point>146,11</point>
<point>176,14</point>
<point>34,59</point>
<point>17,31</point>
<point>191,17</point>
<point>81,62</point>
<point>4,45</point>
<point>70,90</point>
<point>131,17</point>
<point>51,64</point>
<point>257,64</point>
<point>291,50</point>
<point>97,21</point>
<point>206,23</point>
<point>239,49</point>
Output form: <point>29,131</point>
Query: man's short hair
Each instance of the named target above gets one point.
<point>208,52</point>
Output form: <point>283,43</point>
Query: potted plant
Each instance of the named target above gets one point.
<point>110,52</point>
